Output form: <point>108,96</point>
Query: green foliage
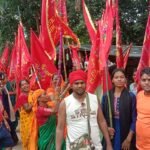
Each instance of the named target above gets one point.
<point>133,18</point>
<point>11,12</point>
<point>134,14</point>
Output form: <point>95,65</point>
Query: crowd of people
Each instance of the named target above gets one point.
<point>67,117</point>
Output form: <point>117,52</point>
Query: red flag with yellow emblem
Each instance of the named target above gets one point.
<point>75,57</point>
<point>43,65</point>
<point>93,75</point>
<point>106,32</point>
<point>61,6</point>
<point>51,26</point>
<point>23,59</point>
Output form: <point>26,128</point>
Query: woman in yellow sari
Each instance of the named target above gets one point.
<point>27,104</point>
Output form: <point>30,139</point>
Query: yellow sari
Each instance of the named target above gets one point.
<point>28,123</point>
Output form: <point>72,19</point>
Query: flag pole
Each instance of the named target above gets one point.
<point>64,64</point>
<point>37,78</point>
<point>60,46</point>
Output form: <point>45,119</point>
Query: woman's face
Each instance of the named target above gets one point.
<point>119,79</point>
<point>24,86</point>
<point>56,80</point>
<point>134,76</point>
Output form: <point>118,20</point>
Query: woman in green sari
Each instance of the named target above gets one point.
<point>47,119</point>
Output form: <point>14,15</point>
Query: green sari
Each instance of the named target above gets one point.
<point>47,135</point>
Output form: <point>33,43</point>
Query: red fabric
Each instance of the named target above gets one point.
<point>93,76</point>
<point>22,99</point>
<point>4,59</point>
<point>46,39</point>
<point>88,21</point>
<point>77,75</point>
<point>119,53</point>
<point>100,50</point>
<point>43,65</point>
<point>126,56</point>
<point>106,32</point>
<point>50,27</point>
<point>61,7</point>
<point>1,116</point>
<point>33,82</point>
<point>145,55</point>
<point>12,66</point>
<point>23,60</point>
<point>75,57</point>
<point>42,115</point>
<point>106,80</point>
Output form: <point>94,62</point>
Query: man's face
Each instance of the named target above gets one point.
<point>145,82</point>
<point>79,87</point>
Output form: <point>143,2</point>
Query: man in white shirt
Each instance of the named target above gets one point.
<point>73,113</point>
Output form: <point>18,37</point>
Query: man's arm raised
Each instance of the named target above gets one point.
<point>60,125</point>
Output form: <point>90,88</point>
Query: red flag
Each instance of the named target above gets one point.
<point>4,59</point>
<point>119,52</point>
<point>43,65</point>
<point>12,66</point>
<point>88,21</point>
<point>93,67</point>
<point>126,56</point>
<point>99,52</point>
<point>106,32</point>
<point>145,56</point>
<point>51,25</point>
<point>61,7</point>
<point>75,57</point>
<point>45,34</point>
<point>23,60</point>
<point>33,82</point>
<point>55,23</point>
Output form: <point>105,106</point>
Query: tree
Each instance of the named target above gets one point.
<point>133,18</point>
<point>11,12</point>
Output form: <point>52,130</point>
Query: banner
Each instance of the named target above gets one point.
<point>43,65</point>
<point>89,23</point>
<point>145,55</point>
<point>23,60</point>
<point>75,57</point>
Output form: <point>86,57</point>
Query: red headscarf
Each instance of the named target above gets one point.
<point>77,75</point>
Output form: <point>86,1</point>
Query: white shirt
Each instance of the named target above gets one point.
<point>76,118</point>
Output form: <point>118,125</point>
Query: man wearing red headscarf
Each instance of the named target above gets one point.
<point>73,112</point>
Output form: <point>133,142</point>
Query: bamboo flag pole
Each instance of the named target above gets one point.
<point>64,64</point>
<point>37,79</point>
<point>60,46</point>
